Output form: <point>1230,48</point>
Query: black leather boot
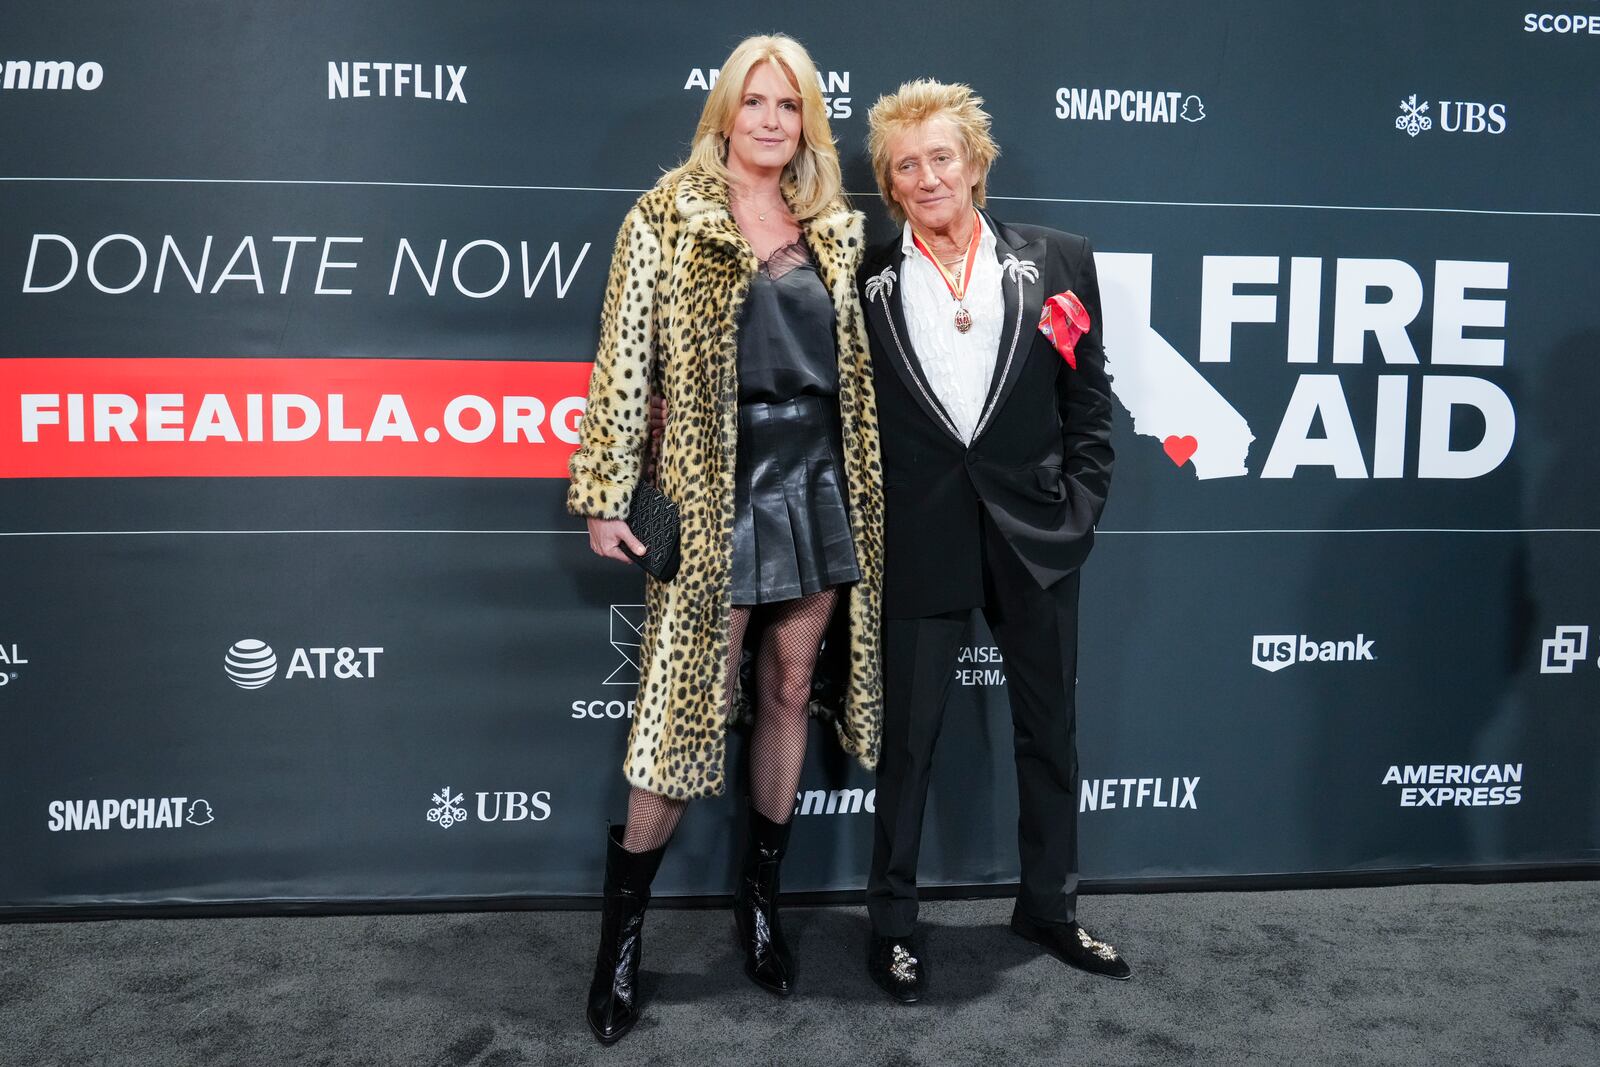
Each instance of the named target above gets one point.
<point>613,995</point>
<point>755,907</point>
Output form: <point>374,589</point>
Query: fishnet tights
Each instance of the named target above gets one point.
<point>784,664</point>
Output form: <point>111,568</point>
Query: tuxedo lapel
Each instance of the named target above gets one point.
<point>886,315</point>
<point>1023,291</point>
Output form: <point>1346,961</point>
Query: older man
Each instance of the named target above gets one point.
<point>996,441</point>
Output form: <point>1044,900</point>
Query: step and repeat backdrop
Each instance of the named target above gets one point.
<point>299,303</point>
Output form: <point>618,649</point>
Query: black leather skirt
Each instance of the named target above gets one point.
<point>791,528</point>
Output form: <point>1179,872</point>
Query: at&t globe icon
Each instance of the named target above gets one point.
<point>250,664</point>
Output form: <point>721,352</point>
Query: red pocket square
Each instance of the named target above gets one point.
<point>1063,321</point>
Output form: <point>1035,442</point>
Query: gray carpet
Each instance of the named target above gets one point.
<point>1459,975</point>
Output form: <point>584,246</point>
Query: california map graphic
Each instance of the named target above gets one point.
<point>1167,397</point>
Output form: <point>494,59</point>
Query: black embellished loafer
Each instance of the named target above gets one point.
<point>897,968</point>
<point>1074,946</point>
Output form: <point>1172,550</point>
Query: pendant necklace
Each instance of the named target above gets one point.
<point>956,282</point>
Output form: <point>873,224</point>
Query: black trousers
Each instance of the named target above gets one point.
<point>1037,631</point>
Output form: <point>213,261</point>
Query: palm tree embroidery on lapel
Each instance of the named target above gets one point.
<point>1019,271</point>
<point>881,285</point>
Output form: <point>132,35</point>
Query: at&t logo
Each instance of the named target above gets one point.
<point>1455,116</point>
<point>504,805</point>
<point>251,663</point>
<point>1559,654</point>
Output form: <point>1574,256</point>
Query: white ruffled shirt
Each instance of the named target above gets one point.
<point>959,366</point>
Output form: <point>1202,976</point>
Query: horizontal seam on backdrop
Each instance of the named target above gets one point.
<point>1102,533</point>
<point>1018,199</point>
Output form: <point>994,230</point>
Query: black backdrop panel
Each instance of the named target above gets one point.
<point>1343,616</point>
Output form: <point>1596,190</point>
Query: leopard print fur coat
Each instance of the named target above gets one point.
<point>669,323</point>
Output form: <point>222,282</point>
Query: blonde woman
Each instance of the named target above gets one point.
<point>732,296</point>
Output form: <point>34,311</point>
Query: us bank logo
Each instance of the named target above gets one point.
<point>1454,116</point>
<point>1274,652</point>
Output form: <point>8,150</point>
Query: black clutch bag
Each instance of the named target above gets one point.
<point>653,519</point>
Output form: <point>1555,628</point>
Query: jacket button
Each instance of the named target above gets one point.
<point>971,459</point>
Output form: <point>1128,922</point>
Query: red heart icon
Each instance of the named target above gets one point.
<point>1179,449</point>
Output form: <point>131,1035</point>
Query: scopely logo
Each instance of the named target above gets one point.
<point>1274,652</point>
<point>504,805</point>
<point>146,813</point>
<point>625,629</point>
<point>420,81</point>
<point>1569,647</point>
<point>1454,116</point>
<point>251,663</point>
<point>835,85</point>
<point>1129,105</point>
<point>1562,24</point>
<point>626,622</point>
<point>11,658</point>
<point>50,74</point>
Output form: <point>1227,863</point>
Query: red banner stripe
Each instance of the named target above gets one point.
<point>243,417</point>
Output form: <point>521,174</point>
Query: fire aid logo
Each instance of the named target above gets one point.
<point>1128,105</point>
<point>1430,400</point>
<point>1569,647</point>
<point>1274,652</point>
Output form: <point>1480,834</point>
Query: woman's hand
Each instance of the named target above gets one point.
<point>606,536</point>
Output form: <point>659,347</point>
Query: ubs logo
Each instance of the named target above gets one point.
<point>1454,116</point>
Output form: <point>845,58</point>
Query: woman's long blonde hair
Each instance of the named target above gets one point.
<point>811,179</point>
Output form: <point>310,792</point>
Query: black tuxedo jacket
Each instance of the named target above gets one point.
<point>1040,462</point>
